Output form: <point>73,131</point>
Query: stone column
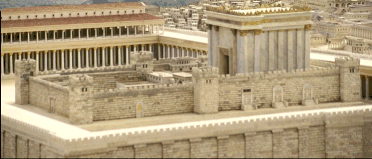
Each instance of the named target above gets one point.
<point>257,39</point>
<point>79,58</point>
<point>71,34</point>
<point>28,55</point>
<point>20,37</point>
<point>300,49</point>
<point>70,58</point>
<point>46,36</point>
<point>163,52</point>
<point>367,88</point>
<point>54,60</point>
<point>290,50</point>
<point>126,55</point>
<point>37,36</point>
<point>63,35</point>
<point>95,33</point>
<point>111,57</point>
<point>37,61</point>
<point>222,147</point>
<point>183,52</point>
<point>104,32</point>
<point>277,143</point>
<point>2,64</point>
<point>159,51</point>
<point>46,60</point>
<point>2,38</point>
<point>119,55</point>
<point>280,50</point>
<point>54,35</point>
<point>119,31</point>
<point>79,34</point>
<point>62,59</point>
<point>143,30</point>
<point>135,30</point>
<point>127,31</point>
<point>135,48</point>
<point>169,56</point>
<point>87,58</point>
<point>307,45</point>
<point>112,32</point>
<point>242,50</point>
<point>250,147</point>
<point>271,50</point>
<point>103,56</point>
<point>303,142</point>
<point>95,58</point>
<point>11,38</point>
<point>28,37</point>
<point>150,48</point>
<point>143,47</point>
<point>174,51</point>
<point>87,33</point>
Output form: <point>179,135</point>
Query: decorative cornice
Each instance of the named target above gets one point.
<point>232,11</point>
<point>243,32</point>
<point>299,29</point>
<point>257,32</point>
<point>271,31</point>
<point>308,27</point>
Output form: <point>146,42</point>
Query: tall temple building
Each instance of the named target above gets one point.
<point>109,81</point>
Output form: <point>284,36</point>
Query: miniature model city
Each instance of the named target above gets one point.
<point>256,94</point>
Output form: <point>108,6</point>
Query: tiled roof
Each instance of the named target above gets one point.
<point>71,7</point>
<point>77,20</point>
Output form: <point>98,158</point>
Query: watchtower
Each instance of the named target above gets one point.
<point>23,69</point>
<point>206,85</point>
<point>80,96</point>
<point>349,78</point>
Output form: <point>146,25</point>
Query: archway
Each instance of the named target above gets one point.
<point>343,5</point>
<point>337,5</point>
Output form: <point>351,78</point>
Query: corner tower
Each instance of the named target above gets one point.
<point>23,69</point>
<point>80,96</point>
<point>206,85</point>
<point>349,78</point>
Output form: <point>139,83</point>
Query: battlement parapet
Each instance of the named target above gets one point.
<point>205,72</point>
<point>49,84</point>
<point>347,62</point>
<point>144,89</point>
<point>321,71</point>
<point>79,79</point>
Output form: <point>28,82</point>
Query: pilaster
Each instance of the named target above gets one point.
<point>300,49</point>
<point>222,146</point>
<point>290,50</point>
<point>307,48</point>
<point>242,51</point>
<point>277,143</point>
<point>257,39</point>
<point>303,136</point>
<point>280,50</point>
<point>195,147</point>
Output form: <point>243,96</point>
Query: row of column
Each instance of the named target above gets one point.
<point>166,51</point>
<point>93,33</point>
<point>362,33</point>
<point>366,87</point>
<point>52,60</point>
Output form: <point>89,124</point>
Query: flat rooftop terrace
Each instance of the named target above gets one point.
<point>60,126</point>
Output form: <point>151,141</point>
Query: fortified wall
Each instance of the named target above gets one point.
<point>209,92</point>
<point>323,133</point>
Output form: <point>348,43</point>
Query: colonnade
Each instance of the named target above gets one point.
<point>80,34</point>
<point>366,87</point>
<point>166,51</point>
<point>81,58</point>
<point>362,33</point>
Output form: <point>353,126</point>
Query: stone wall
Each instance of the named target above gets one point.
<point>163,100</point>
<point>42,92</point>
<point>107,80</point>
<point>344,142</point>
<point>325,83</point>
<point>316,142</point>
<point>367,140</point>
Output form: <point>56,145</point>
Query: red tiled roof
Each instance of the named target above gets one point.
<point>72,7</point>
<point>77,20</point>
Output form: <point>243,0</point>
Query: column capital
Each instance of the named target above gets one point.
<point>299,29</point>
<point>28,53</point>
<point>111,47</point>
<point>54,51</point>
<point>280,30</point>
<point>11,53</point>
<point>37,52</point>
<point>243,32</point>
<point>87,48</point>
<point>95,48</point>
<point>79,49</point>
<point>257,31</point>
<point>308,27</point>
<point>126,46</point>
<point>271,31</point>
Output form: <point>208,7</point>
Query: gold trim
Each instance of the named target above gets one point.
<point>271,31</point>
<point>257,32</point>
<point>243,32</point>
<point>299,29</point>
<point>308,27</point>
<point>280,30</point>
<point>290,29</point>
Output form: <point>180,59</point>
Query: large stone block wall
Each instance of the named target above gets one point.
<point>259,145</point>
<point>22,147</point>
<point>316,142</point>
<point>344,142</point>
<point>149,151</point>
<point>367,140</point>
<point>326,88</point>
<point>107,80</point>
<point>203,148</point>
<point>42,91</point>
<point>156,101</point>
